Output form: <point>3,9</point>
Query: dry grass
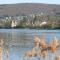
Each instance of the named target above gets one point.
<point>57,58</point>
<point>43,48</point>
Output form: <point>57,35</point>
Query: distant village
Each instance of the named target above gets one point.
<point>38,21</point>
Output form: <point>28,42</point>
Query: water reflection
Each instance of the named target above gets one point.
<point>16,42</point>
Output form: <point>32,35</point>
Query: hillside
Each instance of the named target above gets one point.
<point>27,8</point>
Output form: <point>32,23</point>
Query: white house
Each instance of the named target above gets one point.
<point>14,23</point>
<point>43,23</point>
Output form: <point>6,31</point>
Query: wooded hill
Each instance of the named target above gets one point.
<point>28,8</point>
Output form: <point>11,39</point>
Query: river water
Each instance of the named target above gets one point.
<point>18,41</point>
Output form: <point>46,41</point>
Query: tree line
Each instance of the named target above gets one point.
<point>53,22</point>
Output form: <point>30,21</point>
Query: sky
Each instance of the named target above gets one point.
<point>30,1</point>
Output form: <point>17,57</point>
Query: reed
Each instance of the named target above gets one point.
<point>1,49</point>
<point>57,58</point>
<point>1,53</point>
<point>41,49</point>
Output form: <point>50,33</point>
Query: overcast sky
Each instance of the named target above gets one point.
<point>29,1</point>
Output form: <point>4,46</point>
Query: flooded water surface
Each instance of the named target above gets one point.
<point>18,41</point>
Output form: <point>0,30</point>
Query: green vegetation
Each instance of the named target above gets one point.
<point>53,22</point>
